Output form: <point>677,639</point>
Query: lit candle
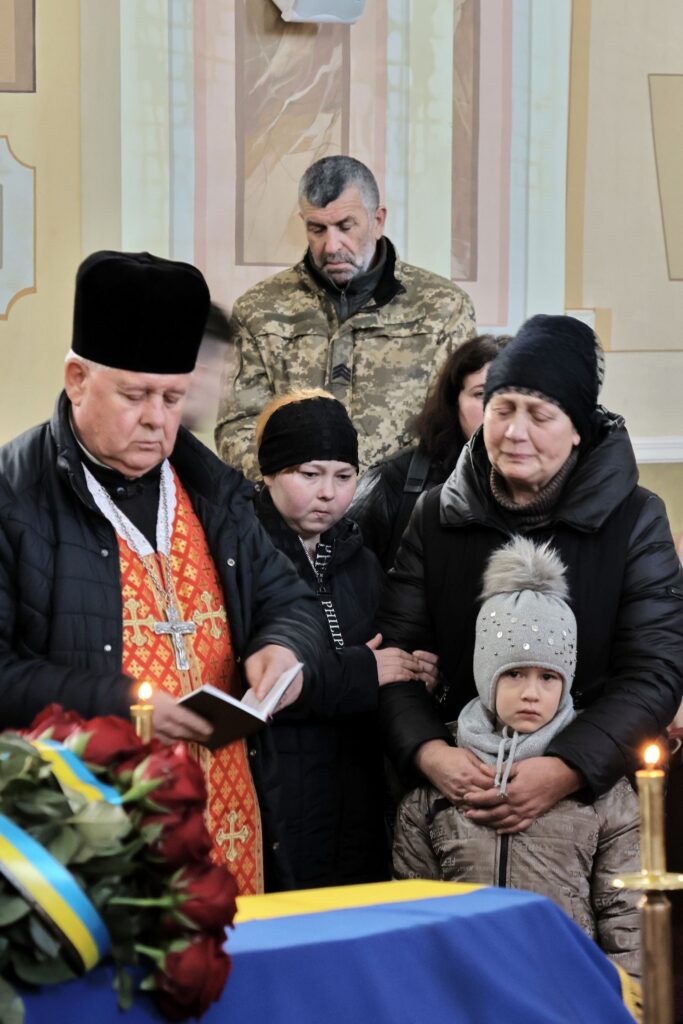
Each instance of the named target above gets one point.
<point>142,712</point>
<point>651,793</point>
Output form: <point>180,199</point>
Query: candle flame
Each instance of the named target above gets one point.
<point>652,755</point>
<point>145,692</point>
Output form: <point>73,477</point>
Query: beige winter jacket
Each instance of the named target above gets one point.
<point>570,854</point>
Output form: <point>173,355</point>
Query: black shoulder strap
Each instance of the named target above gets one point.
<point>418,471</point>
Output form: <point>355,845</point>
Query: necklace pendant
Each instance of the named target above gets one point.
<point>176,628</point>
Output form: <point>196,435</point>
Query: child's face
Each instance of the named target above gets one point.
<point>527,698</point>
<point>312,497</point>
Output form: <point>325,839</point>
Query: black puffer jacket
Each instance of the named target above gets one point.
<point>626,587</point>
<point>378,506</point>
<point>331,769</point>
<point>61,622</point>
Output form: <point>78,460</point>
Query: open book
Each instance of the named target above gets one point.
<point>234,719</point>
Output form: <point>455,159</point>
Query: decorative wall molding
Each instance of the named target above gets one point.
<point>658,449</point>
<point>18,219</point>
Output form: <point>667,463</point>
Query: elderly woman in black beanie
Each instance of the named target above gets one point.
<point>552,464</point>
<point>330,761</point>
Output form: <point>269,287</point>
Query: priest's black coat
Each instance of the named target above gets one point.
<point>61,622</point>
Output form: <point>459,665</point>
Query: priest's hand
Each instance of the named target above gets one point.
<point>453,771</point>
<point>171,722</point>
<point>538,784</point>
<point>264,668</point>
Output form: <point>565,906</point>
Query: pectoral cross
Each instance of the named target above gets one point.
<point>231,836</point>
<point>176,628</point>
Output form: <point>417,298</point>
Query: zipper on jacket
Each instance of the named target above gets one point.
<point>503,861</point>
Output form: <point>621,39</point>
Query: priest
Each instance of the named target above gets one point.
<point>129,552</point>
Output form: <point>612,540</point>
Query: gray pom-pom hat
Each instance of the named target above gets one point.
<point>524,620</point>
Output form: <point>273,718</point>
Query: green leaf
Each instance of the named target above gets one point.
<point>65,845</point>
<point>11,1006</point>
<point>47,972</point>
<point>124,987</point>
<point>14,745</point>
<point>102,826</point>
<point>12,908</point>
<point>42,938</point>
<point>77,742</point>
<point>41,803</point>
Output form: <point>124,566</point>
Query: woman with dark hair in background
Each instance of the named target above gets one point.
<point>452,412</point>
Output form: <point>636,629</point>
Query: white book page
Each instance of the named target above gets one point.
<point>265,707</point>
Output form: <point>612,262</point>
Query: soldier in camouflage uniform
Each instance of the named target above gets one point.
<point>350,317</point>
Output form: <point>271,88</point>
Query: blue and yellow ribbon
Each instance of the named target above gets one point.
<point>72,774</point>
<point>47,884</point>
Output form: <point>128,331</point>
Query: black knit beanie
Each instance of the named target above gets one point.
<point>310,430</point>
<point>556,357</point>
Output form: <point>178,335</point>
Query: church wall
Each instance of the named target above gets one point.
<point>528,150</point>
<point>42,129</point>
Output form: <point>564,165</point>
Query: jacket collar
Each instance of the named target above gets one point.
<point>200,470</point>
<point>345,536</point>
<point>388,286</point>
<point>604,476</point>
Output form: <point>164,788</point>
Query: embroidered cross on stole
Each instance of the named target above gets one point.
<point>232,813</point>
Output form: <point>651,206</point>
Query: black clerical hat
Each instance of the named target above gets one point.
<point>135,311</point>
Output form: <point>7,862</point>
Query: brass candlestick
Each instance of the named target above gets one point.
<point>142,713</point>
<point>655,907</point>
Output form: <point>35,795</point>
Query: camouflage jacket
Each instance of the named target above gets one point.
<point>378,362</point>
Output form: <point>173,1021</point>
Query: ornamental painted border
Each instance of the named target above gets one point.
<point>17,228</point>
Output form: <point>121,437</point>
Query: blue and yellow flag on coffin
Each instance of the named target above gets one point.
<point>420,951</point>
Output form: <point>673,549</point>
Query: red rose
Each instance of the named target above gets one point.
<point>192,979</point>
<point>182,784</point>
<point>111,739</point>
<point>183,838</point>
<point>62,723</point>
<point>207,893</point>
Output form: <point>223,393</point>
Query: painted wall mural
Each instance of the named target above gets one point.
<point>292,107</point>
<point>17,228</point>
<point>529,150</point>
<point>17,46</point>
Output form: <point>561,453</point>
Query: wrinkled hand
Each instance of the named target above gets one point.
<point>453,771</point>
<point>429,668</point>
<point>393,664</point>
<point>263,669</point>
<point>538,784</point>
<point>172,722</point>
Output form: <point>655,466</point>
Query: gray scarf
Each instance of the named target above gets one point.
<point>477,730</point>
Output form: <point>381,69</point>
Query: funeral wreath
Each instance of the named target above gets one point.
<point>104,852</point>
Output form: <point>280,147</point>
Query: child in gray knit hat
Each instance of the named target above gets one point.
<point>524,661</point>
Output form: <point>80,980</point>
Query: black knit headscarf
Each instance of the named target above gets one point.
<point>556,357</point>
<point>310,430</point>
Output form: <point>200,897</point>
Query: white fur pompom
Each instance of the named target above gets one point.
<point>523,565</point>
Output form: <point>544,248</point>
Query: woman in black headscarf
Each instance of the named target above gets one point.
<point>551,464</point>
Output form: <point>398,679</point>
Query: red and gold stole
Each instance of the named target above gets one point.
<point>232,813</point>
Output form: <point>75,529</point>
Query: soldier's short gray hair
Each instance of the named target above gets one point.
<point>326,179</point>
